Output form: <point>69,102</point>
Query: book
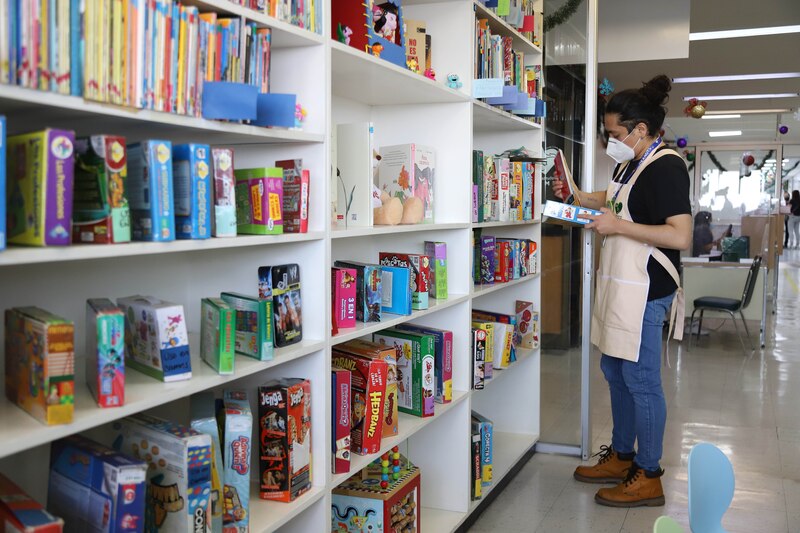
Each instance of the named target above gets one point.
<point>414,353</point>
<point>443,359</point>
<point>343,298</point>
<point>287,303</point>
<point>407,172</point>
<point>191,172</point>
<point>217,335</point>
<point>355,198</point>
<point>386,31</point>
<point>437,252</point>
<point>203,408</point>
<point>415,45</point>
<point>369,289</point>
<point>105,352</point>
<point>295,195</point>
<point>340,423</point>
<point>254,334</point>
<point>223,222</point>
<point>396,290</point>
<point>566,214</point>
<point>150,191</point>
<point>259,201</point>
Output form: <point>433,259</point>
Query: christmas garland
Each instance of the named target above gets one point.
<point>561,15</point>
<point>716,161</point>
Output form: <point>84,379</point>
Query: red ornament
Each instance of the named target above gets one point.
<point>748,159</point>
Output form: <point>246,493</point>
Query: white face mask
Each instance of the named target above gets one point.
<point>619,151</point>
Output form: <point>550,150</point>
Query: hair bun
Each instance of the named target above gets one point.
<point>657,89</point>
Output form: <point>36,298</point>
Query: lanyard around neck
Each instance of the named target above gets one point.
<point>627,178</point>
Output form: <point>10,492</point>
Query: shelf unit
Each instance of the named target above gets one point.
<point>336,84</point>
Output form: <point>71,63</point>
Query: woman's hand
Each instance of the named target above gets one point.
<point>560,188</point>
<point>606,223</point>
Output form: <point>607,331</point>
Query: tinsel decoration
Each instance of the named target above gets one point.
<point>561,15</point>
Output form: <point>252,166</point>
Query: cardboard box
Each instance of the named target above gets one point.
<point>94,488</point>
<point>254,334</point>
<point>40,364</point>
<point>503,200</point>
<point>566,214</point>
<point>296,184</point>
<point>503,265</point>
<point>437,252</point>
<point>509,342</point>
<point>515,191</point>
<point>487,260</point>
<point>39,188</point>
<point>397,290</point>
<point>524,327</point>
<point>156,342</point>
<point>284,415</point>
<point>484,427</point>
<point>408,171</point>
<point>369,289</point>
<point>105,352</point>
<point>491,189</point>
<point>478,358</point>
<point>476,470</point>
<point>191,174</point>
<point>100,212</point>
<point>368,398</point>
<point>178,475</point>
<point>286,303</point>
<point>340,414</point>
<point>236,428</point>
<point>414,353</point>
<point>528,189</point>
<point>217,335</point>
<point>443,359</point>
<point>20,512</point>
<point>343,299</point>
<point>420,274</point>
<point>259,201</point>
<point>150,191</point>
<point>223,223</point>
<point>488,358</point>
<point>204,420</point>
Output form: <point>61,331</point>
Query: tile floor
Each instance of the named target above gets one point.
<point>748,406</point>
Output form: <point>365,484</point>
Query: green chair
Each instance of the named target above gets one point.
<point>665,524</point>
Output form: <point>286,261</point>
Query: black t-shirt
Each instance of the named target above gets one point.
<point>660,192</point>
<point>794,208</point>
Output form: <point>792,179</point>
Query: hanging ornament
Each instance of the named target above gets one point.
<point>695,109</point>
<point>748,159</point>
<point>690,157</point>
<point>783,129</point>
<point>606,87</point>
<point>682,142</point>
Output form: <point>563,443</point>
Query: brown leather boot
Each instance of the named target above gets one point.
<point>639,489</point>
<point>609,469</point>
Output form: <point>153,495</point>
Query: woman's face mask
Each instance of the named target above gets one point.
<point>619,151</point>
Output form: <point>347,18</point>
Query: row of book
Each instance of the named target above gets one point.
<point>500,260</point>
<point>496,338</point>
<point>172,477</point>
<point>503,188</point>
<point>481,448</point>
<point>114,192</point>
<point>521,15</point>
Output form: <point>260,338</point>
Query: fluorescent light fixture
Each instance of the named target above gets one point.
<point>741,77</point>
<point>724,133</point>
<point>741,96</point>
<point>771,161</point>
<point>721,115</point>
<point>746,32</point>
<point>747,112</point>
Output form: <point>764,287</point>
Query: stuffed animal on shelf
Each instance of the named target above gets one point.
<point>430,74</point>
<point>454,82</point>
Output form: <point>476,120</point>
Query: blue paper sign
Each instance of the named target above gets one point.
<point>487,87</point>
<point>224,100</point>
<point>276,110</point>
<point>510,94</point>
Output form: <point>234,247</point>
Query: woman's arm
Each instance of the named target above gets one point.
<point>592,200</point>
<point>675,234</point>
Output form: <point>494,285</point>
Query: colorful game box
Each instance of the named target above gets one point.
<point>443,359</point>
<point>437,252</point>
<point>100,211</point>
<point>105,352</point>
<point>156,341</point>
<point>40,364</point>
<point>478,358</point>
<point>361,504</point>
<point>94,488</point>
<point>286,303</point>
<point>295,195</point>
<point>502,167</point>
<point>191,174</point>
<point>476,468</point>
<point>343,299</point>
<point>528,190</point>
<point>503,266</point>
<point>487,260</point>
<point>2,182</point>
<point>223,223</point>
<point>150,191</point>
<point>414,353</point>
<point>488,358</point>
<point>397,290</point>
<point>178,472</point>
<point>340,414</point>
<point>20,512</point>
<point>204,420</point>
<point>372,350</point>
<point>506,335</point>
<point>515,191</point>
<point>533,257</point>
<point>526,328</point>
<point>420,270</point>
<point>254,334</point>
<point>217,335</point>
<point>491,189</point>
<point>484,427</point>
<point>566,214</point>
<point>368,399</point>
<point>259,201</point>
<point>407,172</point>
<point>284,414</point>
<point>236,428</point>
<point>39,187</point>
<point>369,290</point>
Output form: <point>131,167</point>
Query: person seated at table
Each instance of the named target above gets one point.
<point>703,241</point>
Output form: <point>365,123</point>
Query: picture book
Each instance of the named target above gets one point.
<point>20,512</point>
<point>295,195</point>
<point>443,359</point>
<point>286,306</point>
<point>156,341</point>
<point>217,335</point>
<point>223,222</point>
<point>87,477</point>
<point>478,357</point>
<point>191,172</point>
<point>100,211</point>
<point>566,214</point>
<point>204,420</point>
<point>407,172</point>
<point>420,274</point>
<point>343,298</point>
<point>178,471</point>
<point>397,290</point>
<point>386,30</point>
<point>105,352</point>
<point>150,192</point>
<point>414,354</point>
<point>236,432</point>
<point>2,181</point>
<point>437,252</point>
<point>259,201</point>
<point>253,318</point>
<point>415,45</point>
<point>355,198</point>
<point>369,289</point>
<point>284,413</point>
<point>40,364</point>
<point>484,427</point>
<point>39,185</point>
<point>340,413</point>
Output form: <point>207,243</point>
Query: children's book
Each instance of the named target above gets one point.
<point>407,172</point>
<point>386,30</point>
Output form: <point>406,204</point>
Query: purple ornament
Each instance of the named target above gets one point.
<point>784,129</point>
<point>682,142</point>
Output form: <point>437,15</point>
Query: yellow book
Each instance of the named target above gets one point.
<point>211,60</point>
<point>115,93</point>
<point>101,61</point>
<point>44,50</point>
<point>181,88</point>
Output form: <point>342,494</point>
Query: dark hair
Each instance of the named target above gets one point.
<point>702,218</point>
<point>642,105</point>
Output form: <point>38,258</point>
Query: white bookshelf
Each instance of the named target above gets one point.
<point>336,84</point>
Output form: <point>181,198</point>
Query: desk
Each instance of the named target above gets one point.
<point>716,278</point>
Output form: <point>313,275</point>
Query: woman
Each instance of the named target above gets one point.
<point>703,240</point>
<point>646,220</point>
<point>794,217</point>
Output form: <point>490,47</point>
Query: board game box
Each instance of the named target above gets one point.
<point>478,357</point>
<point>254,335</point>
<point>105,352</point>
<point>223,223</point>
<point>476,470</point>
<point>420,274</point>
<point>40,364</point>
<point>508,354</point>
<point>20,512</point>
<point>484,427</point>
<point>191,173</point>
<point>343,299</point>
<point>340,413</point>
<point>39,185</point>
<point>259,201</point>
<point>487,260</point>
<point>414,353</point>
<point>236,431</point>
<point>443,359</point>
<point>526,328</point>
<point>150,191</point>
<point>397,290</point>
<point>286,303</point>
<point>437,252</point>
<point>503,200</point>
<point>295,195</point>
<point>369,289</point>
<point>217,335</point>
<point>204,420</point>
<point>284,414</point>
<point>488,357</point>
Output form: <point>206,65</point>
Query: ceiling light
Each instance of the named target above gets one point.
<point>747,111</point>
<point>741,77</point>
<point>725,133</point>
<point>721,115</point>
<point>771,161</point>
<point>747,32</point>
<point>740,96</point>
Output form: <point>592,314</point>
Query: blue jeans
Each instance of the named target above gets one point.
<point>638,407</point>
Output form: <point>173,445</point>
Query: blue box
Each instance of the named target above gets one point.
<point>191,178</point>
<point>2,182</point>
<point>150,192</point>
<point>397,290</point>
<point>275,109</point>
<point>225,100</point>
<point>510,96</point>
<point>82,492</point>
<point>385,43</point>
<point>485,427</point>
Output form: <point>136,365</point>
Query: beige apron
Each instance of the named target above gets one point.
<point>623,282</point>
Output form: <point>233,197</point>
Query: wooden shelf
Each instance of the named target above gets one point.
<point>267,516</point>
<point>488,118</point>
<point>483,290</point>
<point>370,231</point>
<point>501,27</point>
